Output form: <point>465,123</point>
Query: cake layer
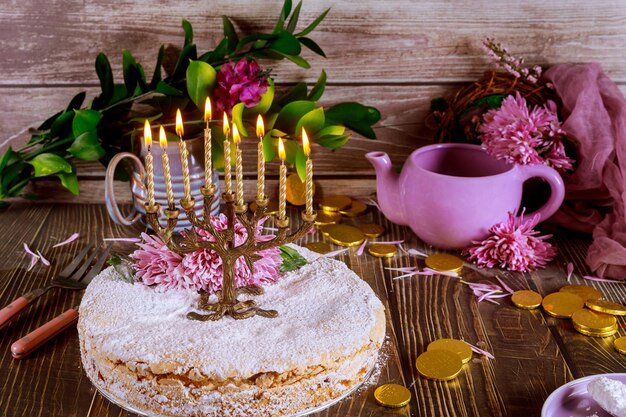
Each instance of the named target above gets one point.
<point>138,346</point>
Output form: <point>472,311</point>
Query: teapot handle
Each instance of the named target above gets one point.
<point>557,188</point>
<point>109,192</point>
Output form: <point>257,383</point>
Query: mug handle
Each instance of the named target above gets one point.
<point>109,193</point>
<point>557,188</point>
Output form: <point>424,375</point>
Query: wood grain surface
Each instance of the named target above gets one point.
<point>535,354</point>
<point>396,55</point>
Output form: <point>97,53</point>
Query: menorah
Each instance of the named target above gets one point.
<point>224,245</point>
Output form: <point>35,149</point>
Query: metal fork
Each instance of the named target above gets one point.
<point>79,280</point>
<point>69,279</point>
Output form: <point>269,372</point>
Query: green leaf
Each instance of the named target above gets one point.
<point>142,119</point>
<point>217,54</point>
<point>286,44</point>
<point>301,164</point>
<point>254,38</point>
<point>270,121</point>
<point>77,101</point>
<point>355,116</point>
<point>165,88</point>
<point>129,68</point>
<point>332,141</point>
<point>230,34</point>
<point>105,75</point>
<point>292,260</point>
<point>48,122</point>
<point>70,180</point>
<point>298,92</point>
<point>5,158</point>
<point>270,143</point>
<point>200,80</point>
<point>62,125</point>
<point>187,28</point>
<point>296,59</point>
<point>87,147</point>
<point>291,149</point>
<point>284,12</point>
<point>156,76</point>
<point>362,129</point>
<point>313,122</point>
<point>85,120</point>
<point>293,20</point>
<point>48,164</point>
<point>289,115</point>
<point>313,24</point>
<point>186,55</point>
<point>237,113</point>
<point>312,45</point>
<point>266,101</point>
<point>318,88</point>
<point>331,130</point>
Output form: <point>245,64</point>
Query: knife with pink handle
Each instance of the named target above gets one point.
<point>27,344</point>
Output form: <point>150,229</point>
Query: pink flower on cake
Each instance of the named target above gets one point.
<point>242,83</point>
<point>202,269</point>
<point>512,246</point>
<point>525,136</point>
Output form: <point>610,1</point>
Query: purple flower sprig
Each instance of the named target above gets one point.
<point>243,82</point>
<point>514,66</point>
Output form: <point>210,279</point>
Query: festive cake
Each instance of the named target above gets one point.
<point>142,352</point>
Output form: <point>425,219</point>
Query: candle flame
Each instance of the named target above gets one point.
<point>260,128</point>
<point>147,134</point>
<point>236,136</point>
<point>179,123</point>
<point>281,150</point>
<point>207,110</point>
<point>162,138</point>
<point>305,143</point>
<point>226,125</point>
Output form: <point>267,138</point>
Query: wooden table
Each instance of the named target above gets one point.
<point>535,354</point>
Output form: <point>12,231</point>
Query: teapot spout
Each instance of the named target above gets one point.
<point>387,187</point>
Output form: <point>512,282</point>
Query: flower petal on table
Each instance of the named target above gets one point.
<point>70,239</point>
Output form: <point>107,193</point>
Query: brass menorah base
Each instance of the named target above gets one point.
<point>224,245</point>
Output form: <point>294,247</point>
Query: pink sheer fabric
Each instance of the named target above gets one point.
<point>594,113</point>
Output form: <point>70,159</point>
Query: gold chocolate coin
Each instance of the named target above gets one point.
<point>272,207</point>
<point>324,218</point>
<point>319,247</point>
<point>583,291</point>
<point>296,192</point>
<point>325,229</point>
<point>356,209</point>
<point>345,235</point>
<point>607,307</point>
<point>382,250</point>
<point>620,345</point>
<point>586,332</point>
<point>371,229</point>
<point>593,321</point>
<point>335,202</point>
<point>444,262</point>
<point>453,345</point>
<point>439,364</point>
<point>392,395</point>
<point>526,299</point>
<point>562,304</point>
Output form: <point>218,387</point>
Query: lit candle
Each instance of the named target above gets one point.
<point>208,162</point>
<point>282,188</point>
<point>260,185</point>
<point>227,178</point>
<point>308,182</point>
<point>238,167</point>
<point>166,169</point>
<point>184,156</point>
<point>147,137</point>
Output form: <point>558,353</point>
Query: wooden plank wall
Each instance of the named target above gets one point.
<point>396,55</point>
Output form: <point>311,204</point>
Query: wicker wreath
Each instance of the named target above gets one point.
<point>458,119</point>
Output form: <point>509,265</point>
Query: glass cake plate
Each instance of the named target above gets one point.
<point>319,408</point>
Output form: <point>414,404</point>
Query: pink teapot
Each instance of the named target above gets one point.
<point>451,194</point>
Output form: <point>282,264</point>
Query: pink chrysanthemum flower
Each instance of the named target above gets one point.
<point>202,269</point>
<point>525,136</point>
<point>242,83</point>
<point>514,247</point>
